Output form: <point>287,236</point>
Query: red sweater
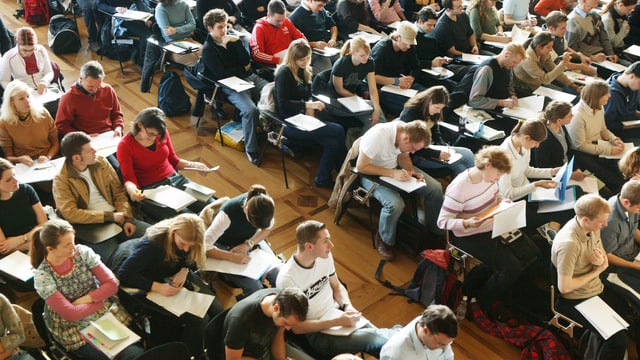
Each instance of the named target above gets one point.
<point>267,40</point>
<point>544,7</point>
<point>144,167</point>
<point>95,114</point>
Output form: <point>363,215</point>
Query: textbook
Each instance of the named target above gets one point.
<point>109,335</point>
<point>602,316</point>
<point>393,89</point>
<point>184,301</point>
<point>169,196</point>
<point>236,84</point>
<point>17,265</point>
<point>261,262</point>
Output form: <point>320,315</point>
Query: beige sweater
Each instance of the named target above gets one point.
<point>533,72</point>
<point>587,128</point>
<point>32,138</point>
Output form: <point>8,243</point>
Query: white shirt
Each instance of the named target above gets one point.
<point>96,200</point>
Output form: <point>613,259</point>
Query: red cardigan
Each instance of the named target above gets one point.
<point>143,166</point>
<point>95,114</point>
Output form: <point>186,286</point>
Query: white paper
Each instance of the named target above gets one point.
<point>133,15</point>
<point>612,66</point>
<point>105,144</point>
<point>48,96</point>
<point>488,133</point>
<point>281,54</point>
<point>630,124</point>
<point>528,107</point>
<point>589,184</point>
<point>602,316</point>
<point>18,265</point>
<point>453,155</point>
<point>518,35</point>
<point>107,346</point>
<point>394,25</point>
<point>305,122</point>
<point>554,94</point>
<point>237,84</point>
<point>512,218</point>
<point>368,37</point>
<point>555,206</point>
<point>633,50</point>
<point>261,261</point>
<point>200,192</point>
<point>184,301</point>
<point>409,186</point>
<point>38,172</point>
<point>355,104</point>
<point>627,147</point>
<point>579,77</point>
<point>497,44</point>
<point>439,72</point>
<point>475,59</point>
<point>341,330</point>
<point>398,91</point>
<point>181,47</point>
<point>169,196</point>
<point>498,208</point>
<point>327,51</point>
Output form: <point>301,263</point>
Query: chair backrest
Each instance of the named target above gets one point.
<point>214,336</point>
<point>173,350</point>
<point>567,325</point>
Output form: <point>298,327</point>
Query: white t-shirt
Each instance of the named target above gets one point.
<point>96,200</point>
<point>379,145</point>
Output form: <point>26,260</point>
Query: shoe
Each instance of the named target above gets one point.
<point>94,46</point>
<point>253,158</point>
<point>547,232</point>
<point>386,252</point>
<point>325,184</point>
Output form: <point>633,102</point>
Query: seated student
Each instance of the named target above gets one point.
<point>591,138</point>
<point>65,278</point>
<point>537,68</point>
<point>634,24</point>
<point>311,269</point>
<point>386,12</point>
<point>428,336</point>
<point>11,332</point>
<point>397,64</point>
<point>453,30</point>
<point>27,131</point>
<point>232,10</point>
<point>544,7</point>
<point>427,105</point>
<point>556,24</point>
<point>147,160</point>
<point>87,190</point>
<point>354,74</point>
<point>516,185</point>
<point>427,45</point>
<point>629,165</point>
<point>624,102</point>
<point>516,12</point>
<point>139,29</point>
<point>470,194</point>
<point>292,92</point>
<point>579,258</point>
<point>176,22</point>
<point>485,22</point>
<point>170,250</point>
<point>586,34</point>
<point>614,19</point>
<point>223,56</point>
<point>272,35</point>
<point>493,79</point>
<point>352,16</point>
<point>242,223</point>
<point>318,27</point>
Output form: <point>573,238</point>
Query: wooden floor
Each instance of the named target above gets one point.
<point>355,258</point>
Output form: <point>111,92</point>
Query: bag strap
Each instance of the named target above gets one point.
<point>387,283</point>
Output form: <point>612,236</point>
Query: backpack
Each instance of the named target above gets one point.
<point>63,35</point>
<point>172,99</point>
<point>36,12</point>
<point>110,48</point>
<point>434,282</point>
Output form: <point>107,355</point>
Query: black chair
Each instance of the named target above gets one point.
<point>214,337</point>
<point>169,351</point>
<point>52,347</point>
<point>117,39</point>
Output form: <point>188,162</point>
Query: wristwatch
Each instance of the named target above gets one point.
<point>250,243</point>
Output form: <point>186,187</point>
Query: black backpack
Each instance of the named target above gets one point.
<point>109,48</point>
<point>63,35</point>
<point>172,99</point>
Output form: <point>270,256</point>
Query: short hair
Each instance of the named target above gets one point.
<point>307,232</point>
<point>633,69</point>
<point>418,131</point>
<point>292,301</point>
<point>541,39</point>
<point>426,13</point>
<point>92,69</point>
<point>214,16</point>
<point>72,144</point>
<point>631,191</point>
<point>439,319</point>
<point>591,205</point>
<point>535,129</point>
<point>555,18</point>
<point>555,111</point>
<point>448,4</point>
<point>495,156</point>
<point>629,164</point>
<point>592,93</point>
<point>151,117</point>
<point>260,207</point>
<point>276,7</point>
<point>26,36</point>
<point>515,49</point>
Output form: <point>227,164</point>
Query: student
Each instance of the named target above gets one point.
<point>427,48</point>
<point>556,23</point>
<point>352,16</point>
<point>614,18</point>
<point>65,278</point>
<point>170,250</point>
<point>516,12</point>
<point>453,30</point>
<point>544,7</point>
<point>586,34</point>
<point>624,102</point>
<point>272,35</point>
<point>11,332</point>
<point>629,165</point>
<point>318,27</point>
<point>386,12</point>
<point>242,223</point>
<point>485,22</point>
<point>176,22</point>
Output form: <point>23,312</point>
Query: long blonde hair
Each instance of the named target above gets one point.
<point>8,112</point>
<point>298,49</point>
<point>190,227</point>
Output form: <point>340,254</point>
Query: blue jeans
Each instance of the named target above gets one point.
<point>364,119</point>
<point>456,168</point>
<point>369,339</point>
<point>394,103</point>
<point>90,16</point>
<point>331,138</point>
<point>393,206</point>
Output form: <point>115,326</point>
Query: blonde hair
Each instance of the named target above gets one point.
<point>190,227</point>
<point>355,44</point>
<point>8,112</point>
<point>535,129</point>
<point>629,164</point>
<point>591,205</point>
<point>515,49</point>
<point>298,49</point>
<point>495,156</point>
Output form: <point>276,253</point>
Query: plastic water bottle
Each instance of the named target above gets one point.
<point>461,312</point>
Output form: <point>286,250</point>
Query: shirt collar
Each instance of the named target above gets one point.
<point>580,12</point>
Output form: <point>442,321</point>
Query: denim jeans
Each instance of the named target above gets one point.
<point>394,103</point>
<point>331,138</point>
<point>90,16</point>
<point>364,119</point>
<point>393,206</point>
<point>456,168</point>
<point>369,339</point>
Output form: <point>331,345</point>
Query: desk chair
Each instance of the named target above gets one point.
<point>173,350</point>
<point>276,138</point>
<point>214,337</point>
<point>52,347</point>
<point>557,316</point>
<point>118,40</point>
<point>215,101</point>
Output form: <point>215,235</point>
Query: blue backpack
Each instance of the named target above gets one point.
<point>172,99</point>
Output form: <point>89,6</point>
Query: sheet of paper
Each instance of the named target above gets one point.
<point>111,348</point>
<point>497,44</point>
<point>474,59</point>
<point>355,104</point>
<point>627,147</point>
<point>261,261</point>
<point>169,196</point>
<point>518,35</point>
<point>528,107</point>
<point>281,54</point>
<point>579,77</point>
<point>341,330</point>
<point>368,37</point>
<point>554,94</point>
<point>631,124</point>
<point>633,50</point>
<point>46,97</point>
<point>305,122</point>
<point>542,194</point>
<point>18,265</point>
<point>39,172</point>
<point>439,72</point>
<point>398,91</point>
<point>184,301</point>
<point>327,51</point>
<point>498,208</point>
<point>512,218</point>
<point>612,66</point>
<point>453,155</point>
<point>237,84</point>
<point>589,184</point>
<point>602,316</point>
<point>408,186</point>
<point>554,206</point>
<point>105,143</point>
<point>181,47</point>
<point>133,15</point>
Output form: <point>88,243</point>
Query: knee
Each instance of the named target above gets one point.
<point>394,206</point>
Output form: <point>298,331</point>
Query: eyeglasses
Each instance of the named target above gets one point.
<point>150,134</point>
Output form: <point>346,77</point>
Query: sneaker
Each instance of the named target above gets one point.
<point>547,232</point>
<point>386,252</point>
<point>253,158</point>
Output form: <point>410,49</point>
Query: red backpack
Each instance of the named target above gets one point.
<point>36,12</point>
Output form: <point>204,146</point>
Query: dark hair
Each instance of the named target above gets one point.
<point>5,165</point>
<point>307,232</point>
<point>292,301</point>
<point>448,4</point>
<point>433,95</point>
<point>439,319</point>
<point>213,17</point>
<point>426,13</point>
<point>540,39</point>
<point>276,7</point>
<point>26,36</point>
<point>633,69</point>
<point>47,235</point>
<point>72,144</point>
<point>535,129</point>
<point>151,117</point>
<point>555,18</point>
<point>555,111</point>
<point>631,191</point>
<point>259,206</point>
<point>606,8</point>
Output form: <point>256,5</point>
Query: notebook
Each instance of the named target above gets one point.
<point>109,335</point>
<point>169,196</point>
